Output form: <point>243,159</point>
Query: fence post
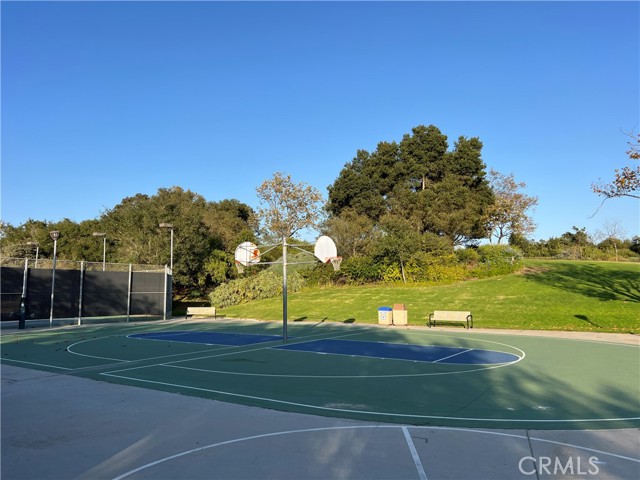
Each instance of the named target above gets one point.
<point>164,308</point>
<point>23,298</point>
<point>80,294</point>
<point>129,292</point>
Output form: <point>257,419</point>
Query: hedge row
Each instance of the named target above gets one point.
<point>265,284</point>
<point>422,267</point>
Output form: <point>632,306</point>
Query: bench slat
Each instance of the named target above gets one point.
<point>202,311</point>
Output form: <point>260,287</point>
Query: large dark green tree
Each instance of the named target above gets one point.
<point>437,190</point>
<point>205,233</point>
<point>205,236</point>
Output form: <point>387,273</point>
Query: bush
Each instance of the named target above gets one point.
<point>434,268</point>
<point>468,256</point>
<point>497,260</point>
<point>319,275</point>
<point>266,284</point>
<point>361,269</point>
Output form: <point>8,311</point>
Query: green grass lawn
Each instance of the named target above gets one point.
<point>547,295</point>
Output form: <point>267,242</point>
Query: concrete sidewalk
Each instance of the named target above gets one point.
<point>63,427</point>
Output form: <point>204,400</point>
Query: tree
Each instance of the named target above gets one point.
<point>352,232</point>
<point>288,207</point>
<point>423,155</point>
<point>508,215</point>
<point>626,182</point>
<point>436,190</point>
<point>613,234</point>
<point>635,245</point>
<point>398,241</point>
<point>576,240</point>
<point>198,233</point>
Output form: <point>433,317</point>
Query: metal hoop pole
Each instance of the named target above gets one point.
<point>284,289</point>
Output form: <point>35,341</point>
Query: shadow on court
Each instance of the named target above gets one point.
<point>59,426</point>
<point>315,410</point>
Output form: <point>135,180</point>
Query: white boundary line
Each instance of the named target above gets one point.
<point>414,454</point>
<point>459,353</point>
<point>404,429</point>
<point>265,347</point>
<point>459,372</point>
<point>34,363</point>
<point>361,412</point>
<point>365,412</point>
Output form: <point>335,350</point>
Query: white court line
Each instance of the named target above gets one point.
<point>365,412</point>
<point>361,329</point>
<point>282,375</point>
<point>34,363</point>
<point>305,340</point>
<point>221,347</point>
<point>262,347</point>
<point>404,428</point>
<point>214,355</point>
<point>414,453</point>
<point>450,356</point>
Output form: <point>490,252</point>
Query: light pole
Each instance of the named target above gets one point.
<point>37,245</point>
<point>54,236</point>
<point>169,226</point>
<point>104,247</point>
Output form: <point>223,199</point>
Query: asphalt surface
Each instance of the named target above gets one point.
<point>57,426</point>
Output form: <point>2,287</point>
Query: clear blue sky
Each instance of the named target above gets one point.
<point>101,101</point>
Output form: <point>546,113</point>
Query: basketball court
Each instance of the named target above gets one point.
<point>230,399</point>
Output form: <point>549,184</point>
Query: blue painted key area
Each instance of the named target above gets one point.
<point>418,353</point>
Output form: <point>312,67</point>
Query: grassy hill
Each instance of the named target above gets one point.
<point>546,295</point>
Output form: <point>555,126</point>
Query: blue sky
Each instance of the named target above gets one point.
<point>101,101</point>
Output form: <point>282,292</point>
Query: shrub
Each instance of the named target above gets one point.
<point>266,284</point>
<point>497,260</point>
<point>361,269</point>
<point>392,273</point>
<point>434,268</point>
<point>469,256</point>
<point>319,275</point>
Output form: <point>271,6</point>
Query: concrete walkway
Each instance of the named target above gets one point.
<point>64,427</point>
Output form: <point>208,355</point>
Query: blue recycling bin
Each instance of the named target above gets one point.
<point>385,316</point>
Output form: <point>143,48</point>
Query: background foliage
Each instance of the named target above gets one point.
<point>414,211</point>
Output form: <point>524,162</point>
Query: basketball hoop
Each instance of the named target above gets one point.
<point>240,267</point>
<point>335,262</point>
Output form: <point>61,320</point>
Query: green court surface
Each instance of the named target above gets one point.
<point>536,383</point>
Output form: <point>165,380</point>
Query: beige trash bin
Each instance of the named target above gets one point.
<point>399,314</point>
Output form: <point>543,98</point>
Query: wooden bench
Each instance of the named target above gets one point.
<point>450,316</point>
<point>202,312</point>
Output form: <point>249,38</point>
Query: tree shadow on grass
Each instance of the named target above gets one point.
<point>585,318</point>
<point>592,281</point>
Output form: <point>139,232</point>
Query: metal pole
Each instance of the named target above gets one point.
<point>129,291</point>
<point>171,250</point>
<point>164,309</point>
<point>23,298</point>
<point>170,226</point>
<point>284,289</point>
<point>80,293</point>
<point>53,280</point>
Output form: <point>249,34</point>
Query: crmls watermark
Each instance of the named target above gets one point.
<point>557,465</point>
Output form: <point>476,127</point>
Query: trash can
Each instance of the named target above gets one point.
<point>385,316</point>
<point>399,314</point>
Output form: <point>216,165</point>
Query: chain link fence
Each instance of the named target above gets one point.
<point>31,290</point>
<point>47,263</point>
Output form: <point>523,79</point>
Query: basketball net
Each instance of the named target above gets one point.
<point>240,267</point>
<point>335,262</point>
